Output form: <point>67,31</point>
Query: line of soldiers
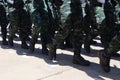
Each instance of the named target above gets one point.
<point>45,18</point>
<point>18,20</point>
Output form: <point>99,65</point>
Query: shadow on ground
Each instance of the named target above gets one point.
<point>64,59</point>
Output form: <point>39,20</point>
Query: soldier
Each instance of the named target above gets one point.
<point>108,26</point>
<point>87,29</point>
<point>19,19</point>
<point>75,19</point>
<point>90,22</point>
<point>112,47</point>
<point>29,8</point>
<point>43,23</point>
<point>3,23</point>
<point>56,4</point>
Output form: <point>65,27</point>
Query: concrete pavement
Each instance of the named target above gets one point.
<point>20,64</point>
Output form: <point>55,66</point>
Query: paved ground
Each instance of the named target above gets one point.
<point>20,64</point>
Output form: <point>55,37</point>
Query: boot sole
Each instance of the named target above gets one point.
<point>32,48</point>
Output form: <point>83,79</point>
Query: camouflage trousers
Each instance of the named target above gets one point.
<point>42,27</point>
<point>44,35</point>
<point>74,30</point>
<point>106,34</point>
<point>114,45</point>
<point>20,22</point>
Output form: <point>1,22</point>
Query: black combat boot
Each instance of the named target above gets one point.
<point>86,45</point>
<point>32,44</point>
<point>32,47</point>
<point>52,51</point>
<point>68,43</point>
<point>77,59</point>
<point>10,41</point>
<point>44,48</point>
<point>104,60</point>
<point>24,45</point>
<point>45,51</point>
<point>4,41</point>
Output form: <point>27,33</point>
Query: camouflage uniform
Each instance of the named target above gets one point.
<point>108,24</point>
<point>113,45</point>
<point>29,8</point>
<point>91,24</point>
<point>87,29</point>
<point>57,16</point>
<point>42,24</point>
<point>19,19</point>
<point>3,23</point>
<point>105,55</point>
<point>93,18</point>
<point>74,27</point>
